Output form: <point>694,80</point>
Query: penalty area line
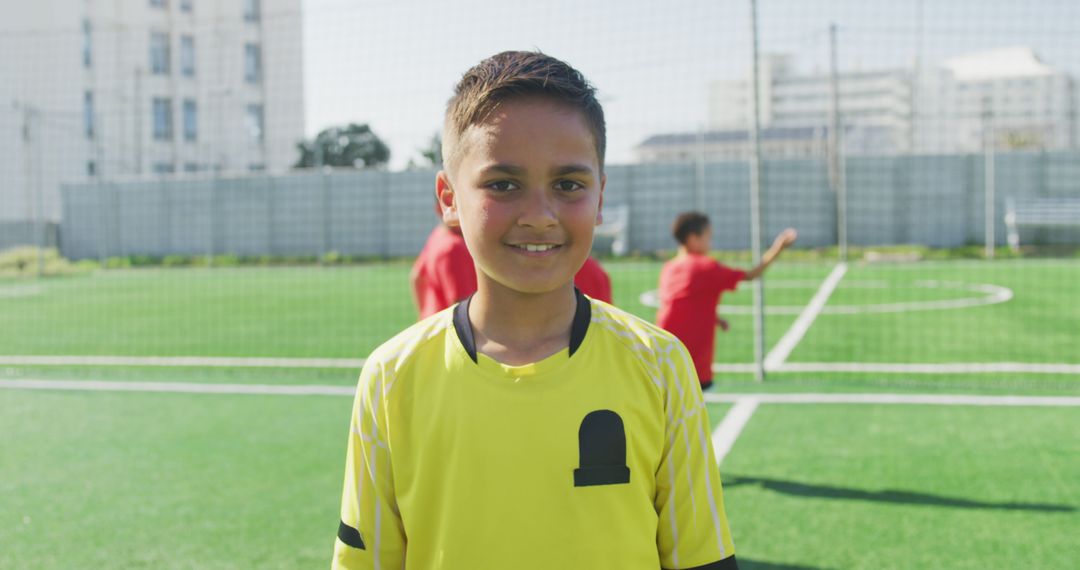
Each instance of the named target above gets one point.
<point>725,434</point>
<point>709,397</point>
<point>780,353</point>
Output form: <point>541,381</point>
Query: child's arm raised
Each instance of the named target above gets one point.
<point>782,241</point>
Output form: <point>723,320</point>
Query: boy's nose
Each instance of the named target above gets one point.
<point>538,211</point>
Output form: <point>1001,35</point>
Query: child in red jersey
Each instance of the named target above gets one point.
<point>443,273</point>
<point>691,285</point>
<point>592,280</point>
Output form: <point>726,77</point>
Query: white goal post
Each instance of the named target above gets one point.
<point>616,225</point>
<point>1048,212</point>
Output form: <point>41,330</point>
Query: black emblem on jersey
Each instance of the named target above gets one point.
<point>601,450</point>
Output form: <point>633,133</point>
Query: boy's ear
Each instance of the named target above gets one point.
<point>444,193</point>
<point>600,206</point>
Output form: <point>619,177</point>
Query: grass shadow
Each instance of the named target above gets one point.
<point>887,496</point>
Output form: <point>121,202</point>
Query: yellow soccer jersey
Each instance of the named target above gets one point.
<point>599,456</point>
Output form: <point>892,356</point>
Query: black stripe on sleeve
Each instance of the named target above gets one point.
<point>350,536</point>
<point>725,564</point>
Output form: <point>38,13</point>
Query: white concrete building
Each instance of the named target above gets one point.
<point>875,101</point>
<point>945,109</point>
<point>110,89</point>
<point>1024,102</point>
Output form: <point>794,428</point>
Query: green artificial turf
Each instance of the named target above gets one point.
<point>816,486</point>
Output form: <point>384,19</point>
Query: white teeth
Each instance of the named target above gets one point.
<point>536,247</point>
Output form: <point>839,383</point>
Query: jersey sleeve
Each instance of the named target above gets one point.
<point>728,278</point>
<point>693,530</point>
<point>370,534</point>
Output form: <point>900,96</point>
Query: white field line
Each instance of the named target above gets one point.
<point>323,390</point>
<point>780,353</point>
<point>728,431</point>
<point>179,387</point>
<point>357,363</point>
<point>201,361</point>
<point>912,399</point>
<point>933,368</point>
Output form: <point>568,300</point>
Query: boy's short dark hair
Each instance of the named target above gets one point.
<point>688,224</point>
<point>512,74</point>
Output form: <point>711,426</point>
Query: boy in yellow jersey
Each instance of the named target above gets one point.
<point>529,427</point>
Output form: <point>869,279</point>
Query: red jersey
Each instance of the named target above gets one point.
<point>690,289</point>
<point>593,281</point>
<point>444,272</point>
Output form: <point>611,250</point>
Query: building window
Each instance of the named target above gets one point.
<point>159,3</point>
<point>191,167</point>
<point>191,121</point>
<point>163,119</point>
<point>164,168</point>
<point>251,10</point>
<point>257,167</point>
<point>87,46</point>
<point>252,63</point>
<point>187,56</point>
<point>186,6</point>
<point>254,122</point>
<point>91,168</point>
<point>88,113</point>
<point>159,53</point>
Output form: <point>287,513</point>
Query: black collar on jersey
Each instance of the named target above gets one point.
<point>582,317</point>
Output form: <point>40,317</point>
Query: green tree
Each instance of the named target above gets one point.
<point>351,146</point>
<point>433,151</point>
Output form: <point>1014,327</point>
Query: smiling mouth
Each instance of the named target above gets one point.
<point>535,247</point>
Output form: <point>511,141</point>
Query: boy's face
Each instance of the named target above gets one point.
<point>526,191</point>
<point>700,243</point>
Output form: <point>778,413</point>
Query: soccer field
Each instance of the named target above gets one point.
<point>132,480</point>
<point>954,325</point>
<point>186,469</point>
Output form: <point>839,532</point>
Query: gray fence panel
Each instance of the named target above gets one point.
<point>410,214</point>
<point>796,193</point>
<point>931,193</point>
<point>191,216</point>
<point>932,200</point>
<point>357,213</point>
<point>660,192</point>
<point>296,215</point>
<point>727,203</point>
<point>81,228</point>
<point>872,202</point>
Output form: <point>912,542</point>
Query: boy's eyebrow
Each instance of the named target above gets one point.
<point>504,169</point>
<point>573,169</point>
<point>519,171</point>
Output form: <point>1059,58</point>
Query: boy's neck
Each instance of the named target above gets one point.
<point>684,251</point>
<point>517,328</point>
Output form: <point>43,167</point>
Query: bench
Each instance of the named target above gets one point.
<point>1049,212</point>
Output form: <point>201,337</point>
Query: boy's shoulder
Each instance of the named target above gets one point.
<point>394,353</point>
<point>644,338</point>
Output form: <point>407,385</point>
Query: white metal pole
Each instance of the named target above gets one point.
<point>988,176</point>
<point>838,166</point>
<point>699,186</point>
<point>755,202</point>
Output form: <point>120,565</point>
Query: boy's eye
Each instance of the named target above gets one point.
<point>502,186</point>
<point>568,186</point>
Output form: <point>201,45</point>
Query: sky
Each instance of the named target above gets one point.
<point>393,63</point>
